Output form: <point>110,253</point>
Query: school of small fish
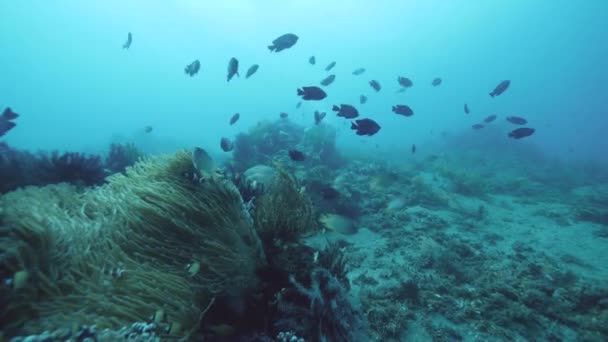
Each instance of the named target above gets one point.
<point>361,126</point>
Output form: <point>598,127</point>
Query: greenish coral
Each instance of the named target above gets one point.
<point>285,213</point>
<point>148,240</point>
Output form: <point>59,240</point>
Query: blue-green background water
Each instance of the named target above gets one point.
<point>63,69</point>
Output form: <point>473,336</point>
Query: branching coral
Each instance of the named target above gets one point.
<point>150,240</point>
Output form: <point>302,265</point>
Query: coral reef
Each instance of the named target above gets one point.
<point>149,243</point>
<point>120,156</point>
<point>284,213</point>
<point>321,311</point>
<point>21,168</point>
<point>270,141</point>
<point>264,142</point>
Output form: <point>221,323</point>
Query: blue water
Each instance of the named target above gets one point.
<point>62,68</point>
<point>515,230</point>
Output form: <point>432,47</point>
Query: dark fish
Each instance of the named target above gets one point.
<point>312,60</point>
<point>312,93</point>
<point>233,68</point>
<point>404,82</point>
<point>362,99</point>
<point>6,123</point>
<point>6,126</point>
<point>235,118</point>
<point>490,118</point>
<point>358,71</point>
<point>401,90</point>
<point>346,111</point>
<point>283,115</point>
<point>319,117</point>
<point>226,145</point>
<point>403,110</point>
<point>330,66</point>
<point>296,155</point>
<point>8,114</point>
<point>413,148</point>
<point>328,80</point>
<point>252,69</point>
<point>521,132</point>
<point>477,126</point>
<point>127,44</point>
<point>500,88</point>
<point>329,193</point>
<point>466,109</point>
<point>436,82</point>
<point>283,42</point>
<point>299,104</point>
<point>365,127</point>
<point>148,129</point>
<point>193,68</point>
<point>374,84</point>
<point>516,120</point>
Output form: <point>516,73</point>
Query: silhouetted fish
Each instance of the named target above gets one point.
<point>319,117</point>
<point>283,115</point>
<point>283,42</point>
<point>6,126</point>
<point>312,93</point>
<point>362,99</point>
<point>516,120</point>
<point>500,88</point>
<point>312,60</point>
<point>328,80</point>
<point>477,126</point>
<point>403,110</point>
<point>521,132</point>
<point>193,68</point>
<point>436,82</point>
<point>358,71</point>
<point>235,118</point>
<point>127,44</point>
<point>226,145</point>
<point>299,104</point>
<point>252,70</point>
<point>330,66</point>
<point>375,84</point>
<point>148,129</point>
<point>365,127</point>
<point>490,118</point>
<point>413,148</point>
<point>6,121</point>
<point>233,68</point>
<point>8,114</point>
<point>404,82</point>
<point>296,155</point>
<point>466,109</point>
<point>346,111</point>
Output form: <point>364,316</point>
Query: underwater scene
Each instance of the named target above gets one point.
<point>290,171</point>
